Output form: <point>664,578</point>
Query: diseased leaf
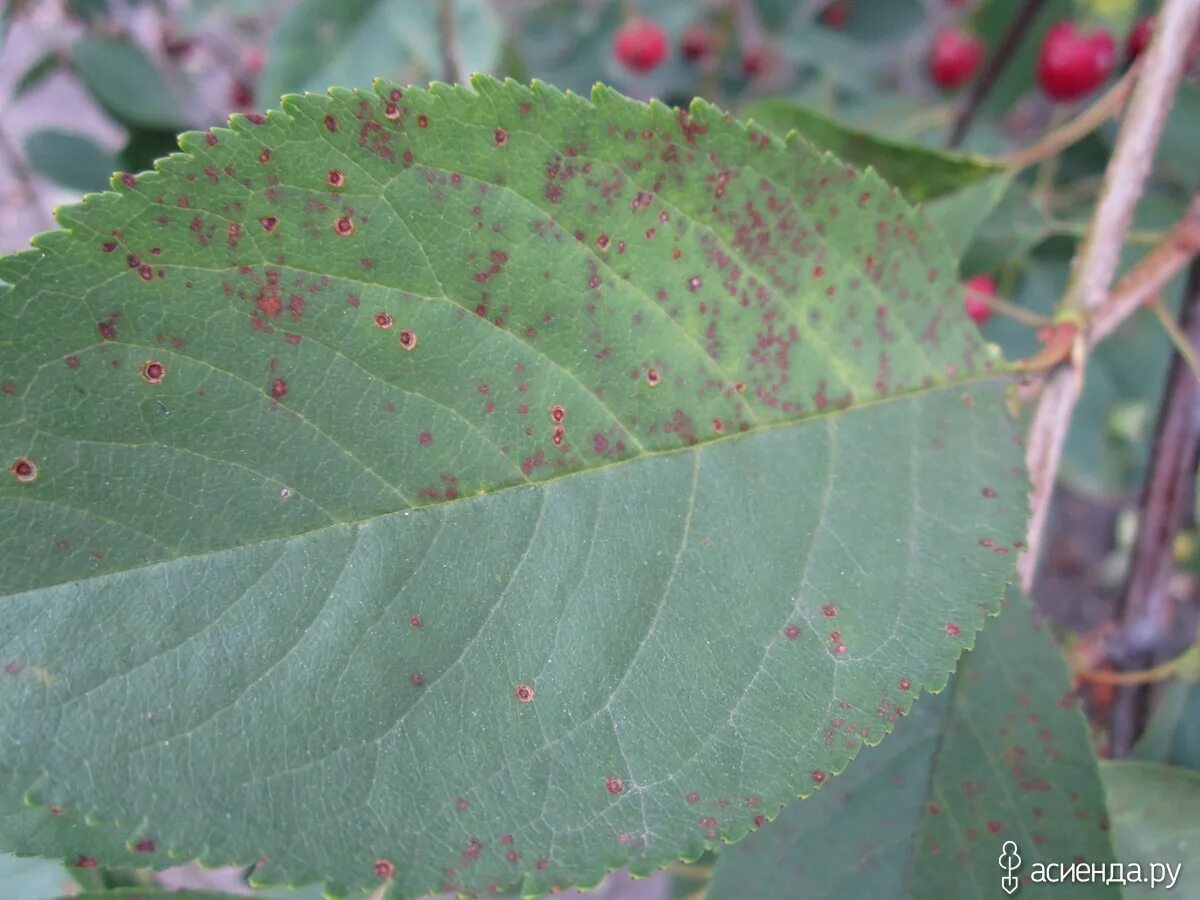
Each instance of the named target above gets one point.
<point>60,832</point>
<point>921,173</point>
<point>1156,819</point>
<point>352,42</point>
<point>1003,754</point>
<point>502,488</point>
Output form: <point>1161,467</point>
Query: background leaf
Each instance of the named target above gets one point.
<point>293,403</point>
<point>355,41</point>
<point>1002,754</point>
<point>1156,819</point>
<point>921,173</point>
<point>126,83</point>
<point>71,160</point>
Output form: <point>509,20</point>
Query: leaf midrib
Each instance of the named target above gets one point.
<point>827,414</point>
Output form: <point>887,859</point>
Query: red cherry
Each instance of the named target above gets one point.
<point>256,58</point>
<point>836,14</point>
<point>697,42</point>
<point>754,60</point>
<point>1138,38</point>
<point>1072,64</point>
<point>979,290</point>
<point>641,45</point>
<point>241,94</point>
<point>955,58</point>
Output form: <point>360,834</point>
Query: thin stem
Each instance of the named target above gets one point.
<point>995,67</point>
<point>1161,672</point>
<point>1132,236</point>
<point>448,35</point>
<point>1150,276</point>
<point>1109,106</point>
<point>1098,255</point>
<point>1148,617</point>
<point>25,178</point>
<point>1178,339</point>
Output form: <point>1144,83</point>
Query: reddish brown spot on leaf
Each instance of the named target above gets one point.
<point>422,121</point>
<point>129,180</point>
<point>269,223</point>
<point>383,320</point>
<point>524,693</point>
<point>792,632</point>
<point>408,339</point>
<point>818,777</point>
<point>344,225</point>
<point>558,413</point>
<point>279,388</point>
<point>145,845</point>
<point>417,679</point>
<point>543,864</point>
<point>614,785</point>
<point>653,377</point>
<point>904,684</point>
<point>85,862</point>
<point>385,868</point>
<point>829,611</point>
<point>331,123</point>
<point>500,136</point>
<point>24,470</point>
<point>415,622</point>
<point>953,630</point>
<point>336,178</point>
<point>153,372</point>
<point>392,111</point>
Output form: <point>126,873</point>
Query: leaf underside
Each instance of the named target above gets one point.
<point>352,422</point>
<point>1003,754</point>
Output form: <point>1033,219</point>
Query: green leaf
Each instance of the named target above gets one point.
<point>960,215</point>
<point>71,160</point>
<point>41,69</point>
<point>921,173</point>
<point>1156,819</point>
<point>61,834</point>
<point>354,41</point>
<point>1017,224</point>
<point>303,523</point>
<point>1000,755</point>
<point>126,83</point>
<point>1173,733</point>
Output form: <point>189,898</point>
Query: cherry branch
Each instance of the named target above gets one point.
<point>1096,261</point>
<point>1110,106</point>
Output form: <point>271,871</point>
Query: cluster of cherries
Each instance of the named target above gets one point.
<point>1073,60</point>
